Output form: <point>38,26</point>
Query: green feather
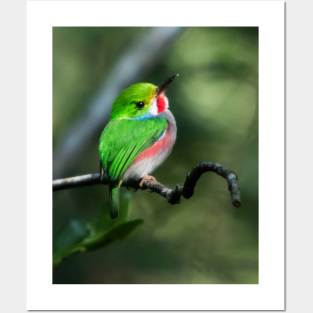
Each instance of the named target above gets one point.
<point>124,105</point>
<point>115,201</point>
<point>123,140</point>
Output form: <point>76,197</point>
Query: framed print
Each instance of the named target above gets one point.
<point>155,155</point>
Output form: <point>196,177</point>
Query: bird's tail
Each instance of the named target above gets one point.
<point>115,201</point>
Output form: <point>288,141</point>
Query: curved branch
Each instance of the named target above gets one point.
<point>172,195</point>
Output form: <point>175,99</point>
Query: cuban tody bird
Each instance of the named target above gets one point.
<point>138,137</point>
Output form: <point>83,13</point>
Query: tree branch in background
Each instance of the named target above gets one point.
<point>137,60</point>
<point>172,195</point>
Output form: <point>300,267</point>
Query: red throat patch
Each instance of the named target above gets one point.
<point>161,103</point>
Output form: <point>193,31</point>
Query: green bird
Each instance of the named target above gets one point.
<point>138,138</point>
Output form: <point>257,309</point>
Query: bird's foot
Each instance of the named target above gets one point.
<point>146,179</point>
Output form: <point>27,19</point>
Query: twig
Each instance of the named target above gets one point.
<point>172,195</point>
<point>130,67</point>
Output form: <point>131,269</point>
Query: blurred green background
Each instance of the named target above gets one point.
<point>215,102</point>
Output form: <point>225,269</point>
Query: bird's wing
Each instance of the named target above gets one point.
<point>122,140</point>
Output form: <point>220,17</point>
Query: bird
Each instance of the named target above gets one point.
<point>139,136</point>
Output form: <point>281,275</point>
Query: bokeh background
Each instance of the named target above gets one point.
<point>215,102</point>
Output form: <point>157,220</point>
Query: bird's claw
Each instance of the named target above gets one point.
<point>146,179</point>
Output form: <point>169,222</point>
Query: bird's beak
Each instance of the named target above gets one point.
<point>163,86</point>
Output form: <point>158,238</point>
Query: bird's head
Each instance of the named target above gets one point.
<point>141,100</point>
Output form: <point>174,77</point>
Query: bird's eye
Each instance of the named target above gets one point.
<point>140,104</point>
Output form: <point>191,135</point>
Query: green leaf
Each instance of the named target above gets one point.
<point>81,236</point>
<point>69,237</point>
<point>116,232</point>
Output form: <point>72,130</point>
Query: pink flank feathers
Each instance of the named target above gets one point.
<point>149,159</point>
<point>157,148</point>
